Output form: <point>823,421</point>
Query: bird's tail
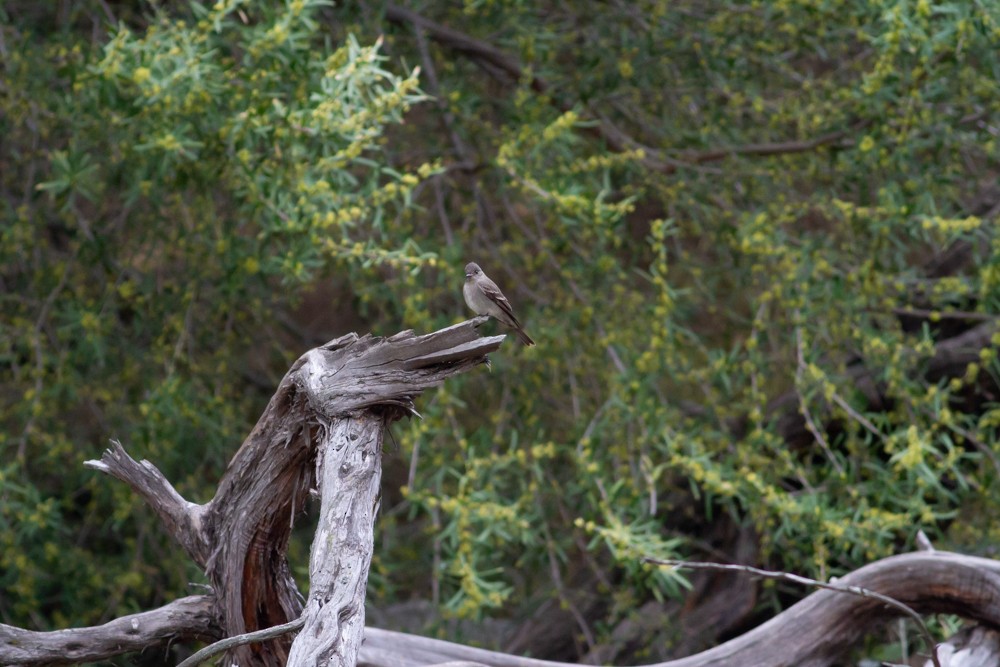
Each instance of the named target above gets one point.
<point>525,338</point>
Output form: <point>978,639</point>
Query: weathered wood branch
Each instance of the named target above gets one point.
<point>204,654</point>
<point>184,619</point>
<point>799,580</point>
<point>270,476</point>
<point>971,647</point>
<point>335,399</point>
<point>813,633</point>
<point>182,519</point>
<point>349,470</point>
<point>329,412</point>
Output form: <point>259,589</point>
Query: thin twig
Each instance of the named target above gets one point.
<point>40,323</point>
<point>183,335</point>
<point>764,149</point>
<point>943,314</point>
<point>806,581</point>
<point>411,478</point>
<point>924,542</point>
<point>464,153</point>
<point>647,474</point>
<point>857,416</point>
<point>810,424</point>
<point>238,640</point>
<point>110,15</point>
<point>573,392</point>
<point>436,562</point>
<point>588,634</point>
<point>978,444</point>
<point>449,237</point>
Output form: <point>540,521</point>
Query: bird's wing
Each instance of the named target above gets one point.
<point>494,294</point>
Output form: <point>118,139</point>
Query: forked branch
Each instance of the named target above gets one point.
<point>327,416</point>
<point>182,519</point>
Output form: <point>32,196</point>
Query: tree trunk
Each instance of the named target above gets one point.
<point>342,549</point>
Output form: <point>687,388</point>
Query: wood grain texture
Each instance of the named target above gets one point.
<point>335,399</point>
<point>358,378</point>
<point>184,619</point>
<point>975,646</point>
<point>349,469</point>
<point>183,520</point>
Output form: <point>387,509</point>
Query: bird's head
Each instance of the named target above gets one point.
<point>472,270</point>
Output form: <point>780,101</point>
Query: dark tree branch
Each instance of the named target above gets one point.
<point>958,351</point>
<point>182,519</point>
<point>950,357</point>
<point>461,149</point>
<point>765,149</point>
<point>812,633</point>
<point>185,619</point>
<point>506,68</point>
<point>492,59</point>
<point>944,314</point>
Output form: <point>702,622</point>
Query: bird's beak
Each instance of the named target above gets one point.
<point>468,275</point>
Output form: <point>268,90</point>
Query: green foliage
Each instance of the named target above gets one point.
<point>160,189</point>
<point>690,305</point>
<point>746,313</point>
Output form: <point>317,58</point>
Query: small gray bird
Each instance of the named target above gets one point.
<point>484,297</point>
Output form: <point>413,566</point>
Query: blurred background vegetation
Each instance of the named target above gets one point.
<point>755,242</point>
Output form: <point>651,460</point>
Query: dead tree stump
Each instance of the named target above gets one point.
<point>323,427</point>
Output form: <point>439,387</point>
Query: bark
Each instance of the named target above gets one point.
<point>342,548</point>
<point>182,519</point>
<point>335,400</point>
<point>971,647</point>
<point>363,380</point>
<point>189,618</point>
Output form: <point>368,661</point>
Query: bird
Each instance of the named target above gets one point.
<point>484,297</point>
